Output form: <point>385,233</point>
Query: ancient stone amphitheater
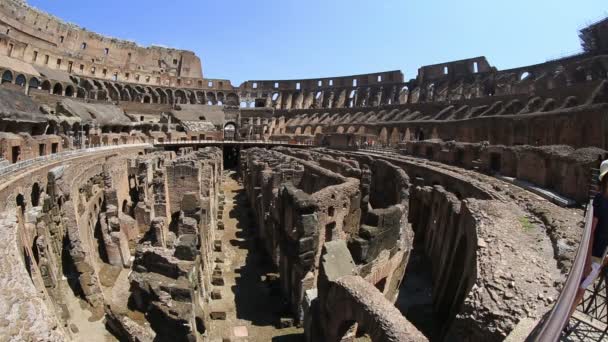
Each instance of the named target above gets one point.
<point>140,201</point>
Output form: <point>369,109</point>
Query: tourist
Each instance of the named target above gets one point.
<point>596,254</point>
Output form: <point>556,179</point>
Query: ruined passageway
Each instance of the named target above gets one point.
<point>250,296</point>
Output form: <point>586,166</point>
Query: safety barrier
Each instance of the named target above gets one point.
<point>549,330</point>
<point>61,155</point>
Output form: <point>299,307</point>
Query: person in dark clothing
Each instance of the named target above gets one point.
<point>596,255</point>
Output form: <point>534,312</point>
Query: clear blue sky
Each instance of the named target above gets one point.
<point>287,39</point>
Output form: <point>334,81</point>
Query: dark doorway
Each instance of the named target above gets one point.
<point>231,157</point>
<point>381,284</point>
<point>260,103</point>
<point>16,151</point>
<point>41,149</point>
<point>35,196</point>
<point>459,157</point>
<point>495,162</point>
<point>21,203</point>
<point>229,131</point>
<point>54,147</point>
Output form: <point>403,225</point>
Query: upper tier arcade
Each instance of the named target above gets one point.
<point>38,38</point>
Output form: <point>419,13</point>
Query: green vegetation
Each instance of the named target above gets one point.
<point>526,225</point>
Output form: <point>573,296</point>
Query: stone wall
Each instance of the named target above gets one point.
<point>561,168</point>
<point>301,204</point>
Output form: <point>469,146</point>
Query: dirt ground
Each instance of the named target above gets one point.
<point>253,307</point>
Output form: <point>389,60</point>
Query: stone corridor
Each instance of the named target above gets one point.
<point>250,296</point>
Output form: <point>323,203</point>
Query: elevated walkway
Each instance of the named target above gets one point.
<point>237,143</point>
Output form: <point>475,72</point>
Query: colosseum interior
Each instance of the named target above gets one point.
<point>141,201</point>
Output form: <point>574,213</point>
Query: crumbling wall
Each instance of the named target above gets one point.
<point>560,168</point>
<point>348,306</point>
<point>301,205</point>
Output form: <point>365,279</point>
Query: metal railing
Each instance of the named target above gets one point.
<point>232,142</point>
<point>61,155</point>
<point>550,329</point>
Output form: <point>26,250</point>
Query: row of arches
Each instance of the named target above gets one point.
<point>113,91</point>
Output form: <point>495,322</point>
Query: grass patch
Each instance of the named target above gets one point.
<point>526,225</point>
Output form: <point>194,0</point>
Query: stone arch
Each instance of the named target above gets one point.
<point>404,94</point>
<point>20,201</point>
<point>162,96</point>
<point>113,92</point>
<point>58,89</point>
<point>359,301</point>
<point>230,129</point>
<point>351,129</point>
<point>318,130</point>
<point>340,129</point>
<point>201,97</point>
<point>211,99</point>
<point>232,99</point>
<point>69,91</point>
<point>525,75</point>
<point>190,97</point>
<point>46,85</point>
<point>132,95</point>
<point>35,195</point>
<point>20,80</point>
<point>7,77</point>
<point>180,96</point>
<point>361,130</point>
<point>170,96</point>
<point>34,83</point>
<point>298,131</point>
<point>308,130</point>
<point>81,93</point>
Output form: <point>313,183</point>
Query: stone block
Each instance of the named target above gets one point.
<point>186,247</point>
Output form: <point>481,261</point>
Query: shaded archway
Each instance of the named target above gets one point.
<point>34,83</point>
<point>7,77</point>
<point>69,91</point>
<point>20,80</point>
<point>58,89</point>
<point>229,131</point>
<point>35,195</point>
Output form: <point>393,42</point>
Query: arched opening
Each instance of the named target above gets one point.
<point>21,203</point>
<point>404,94</point>
<point>420,135</point>
<point>46,85</point>
<point>20,80</point>
<point>180,97</point>
<point>58,89</point>
<point>229,131</point>
<point>35,196</point>
<point>524,75</point>
<point>69,91</point>
<point>232,99</point>
<point>7,77</point>
<point>34,83</point>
